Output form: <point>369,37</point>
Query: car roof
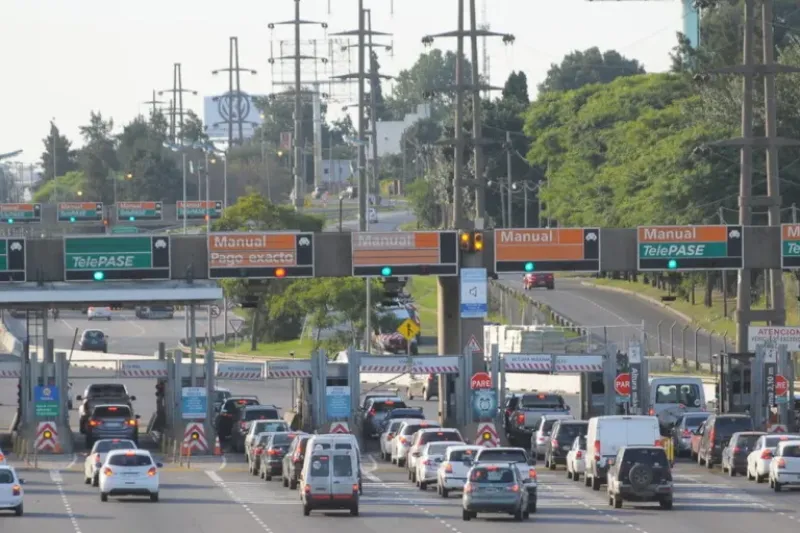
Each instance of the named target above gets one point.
<point>428,430</point>
<point>641,448</point>
<point>259,406</point>
<point>459,447</point>
<point>130,451</point>
<point>505,448</point>
<point>126,406</point>
<point>426,421</point>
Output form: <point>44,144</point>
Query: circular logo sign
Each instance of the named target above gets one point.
<point>480,380</point>
<point>622,384</point>
<point>484,404</point>
<point>781,385</point>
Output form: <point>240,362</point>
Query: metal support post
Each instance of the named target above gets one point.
<point>62,382</point>
<point>210,386</point>
<point>193,344</point>
<point>176,398</point>
<point>354,381</point>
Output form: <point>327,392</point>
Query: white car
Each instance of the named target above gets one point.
<point>263,426</point>
<point>11,493</point>
<point>575,460</point>
<point>421,439</point>
<point>99,312</point>
<point>95,459</point>
<point>760,457</point>
<point>785,467</point>
<point>401,443</point>
<point>430,458</point>
<point>373,216</point>
<point>388,435</point>
<point>452,473</point>
<point>129,473</point>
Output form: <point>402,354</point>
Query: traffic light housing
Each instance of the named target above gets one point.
<point>19,392</point>
<point>160,390</point>
<point>470,241</point>
<point>477,241</point>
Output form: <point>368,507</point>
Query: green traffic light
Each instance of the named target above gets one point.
<point>99,276</point>
<point>72,219</point>
<point>529,267</point>
<point>672,264</point>
<point>10,220</point>
<point>386,271</point>
<point>131,218</point>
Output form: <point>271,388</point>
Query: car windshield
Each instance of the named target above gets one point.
<point>437,449</point>
<point>541,401</point>
<point>387,405</point>
<point>693,422</point>
<point>93,335</point>
<point>320,466</point>
<point>568,432</point>
<point>648,456</point>
<point>112,411</point>
<point>772,442</point>
<point>462,455</point>
<point>438,436</point>
<point>107,390</point>
<point>255,414</point>
<point>687,394</point>
<point>503,456</point>
<point>105,446</point>
<point>728,425</point>
<point>342,466</point>
<point>6,477</point>
<point>130,460</point>
<point>492,475</point>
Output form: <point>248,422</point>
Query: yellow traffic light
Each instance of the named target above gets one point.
<point>477,241</point>
<point>465,241</point>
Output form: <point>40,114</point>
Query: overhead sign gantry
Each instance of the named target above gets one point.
<point>199,210</point>
<point>547,249</point>
<point>13,213</point>
<point>133,211</point>
<point>689,248</point>
<point>790,246</point>
<point>260,255</point>
<point>80,211</point>
<point>12,259</point>
<point>405,253</point>
<point>118,258</point>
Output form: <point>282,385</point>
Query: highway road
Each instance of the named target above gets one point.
<point>623,314</point>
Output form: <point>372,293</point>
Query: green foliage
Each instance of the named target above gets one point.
<point>584,68</point>
<point>98,158</point>
<point>65,157</point>
<point>64,189</point>
<point>422,198</point>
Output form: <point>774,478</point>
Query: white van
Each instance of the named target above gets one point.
<point>337,441</point>
<point>329,480</point>
<point>607,434</point>
<point>672,397</point>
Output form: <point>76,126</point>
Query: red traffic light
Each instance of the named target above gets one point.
<point>280,272</point>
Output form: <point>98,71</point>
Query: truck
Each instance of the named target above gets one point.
<point>529,409</point>
<point>99,394</point>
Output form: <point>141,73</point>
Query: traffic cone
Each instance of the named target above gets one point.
<point>217,447</point>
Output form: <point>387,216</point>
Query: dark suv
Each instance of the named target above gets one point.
<point>734,456</point>
<point>377,410</point>
<point>640,474</point>
<point>293,461</point>
<point>228,413</point>
<point>561,439</point>
<point>716,433</point>
<point>245,416</point>
<point>112,422</point>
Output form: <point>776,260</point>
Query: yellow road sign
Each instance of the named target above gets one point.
<point>408,329</point>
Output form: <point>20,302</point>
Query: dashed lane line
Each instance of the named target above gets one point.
<point>232,495</point>
<point>55,476</point>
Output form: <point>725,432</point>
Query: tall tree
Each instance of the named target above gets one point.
<point>381,112</point>
<point>193,128</point>
<point>591,66</point>
<point>154,171</point>
<point>65,157</point>
<point>98,158</point>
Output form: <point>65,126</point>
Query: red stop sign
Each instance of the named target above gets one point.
<point>781,385</point>
<point>622,384</point>
<point>480,380</point>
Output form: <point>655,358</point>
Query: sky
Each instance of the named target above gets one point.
<point>62,60</point>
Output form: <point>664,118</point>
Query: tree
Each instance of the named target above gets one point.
<point>98,158</point>
<point>65,158</point>
<point>382,113</point>
<point>62,189</point>
<point>591,66</point>
<point>193,128</point>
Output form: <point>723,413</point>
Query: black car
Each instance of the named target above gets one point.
<point>561,439</point>
<point>293,460</point>
<point>241,423</point>
<point>717,431</point>
<point>94,340</point>
<point>376,411</point>
<point>271,463</point>
<point>640,474</point>
<point>734,456</point>
<point>228,413</point>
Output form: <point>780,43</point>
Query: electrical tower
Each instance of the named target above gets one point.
<point>487,65</point>
<point>177,111</point>
<point>234,105</point>
<point>154,104</point>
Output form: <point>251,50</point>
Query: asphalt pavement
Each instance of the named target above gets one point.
<point>622,315</point>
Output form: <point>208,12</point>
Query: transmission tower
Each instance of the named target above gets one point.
<point>487,66</point>
<point>234,105</point>
<point>154,103</point>
<point>178,111</point>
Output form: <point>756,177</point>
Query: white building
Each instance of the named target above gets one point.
<point>336,170</point>
<point>390,132</point>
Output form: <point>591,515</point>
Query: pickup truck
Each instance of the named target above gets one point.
<point>99,394</point>
<point>530,408</point>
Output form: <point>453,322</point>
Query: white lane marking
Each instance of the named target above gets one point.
<point>223,465</point>
<point>55,476</point>
<point>69,326</point>
<point>72,463</point>
<point>367,472</point>
<point>232,495</point>
<point>133,323</point>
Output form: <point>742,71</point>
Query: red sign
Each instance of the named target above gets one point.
<point>480,380</point>
<point>781,385</point>
<point>622,384</point>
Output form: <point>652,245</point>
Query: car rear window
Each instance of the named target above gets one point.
<point>413,428</point>
<point>271,426</point>
<point>693,422</point>
<point>406,413</point>
<point>255,414</point>
<point>492,475</point>
<point>320,466</point>
<point>263,439</point>
<point>107,390</point>
<point>568,432</point>
<point>541,401</point>
<point>503,456</point>
<point>747,442</point>
<point>282,439</point>
<point>387,405</point>
<point>461,455</point>
<point>342,466</point>
<point>649,456</point>
<point>728,425</point>
<point>438,436</point>
<point>772,442</point>
<point>113,411</point>
<point>6,477</point>
<point>238,404</point>
<point>93,335</point>
<point>791,451</point>
<point>438,449</point>
<point>105,446</point>
<point>394,426</point>
<point>130,460</point>
<point>547,425</point>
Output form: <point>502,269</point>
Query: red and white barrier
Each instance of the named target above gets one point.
<point>340,427</point>
<point>143,369</point>
<point>487,435</point>
<point>194,439</point>
<point>10,370</point>
<point>288,369</point>
<point>47,438</point>
<point>240,371</point>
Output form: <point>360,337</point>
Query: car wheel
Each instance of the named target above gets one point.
<point>595,483</point>
<point>587,481</point>
<point>551,465</point>
<point>285,482</point>
<point>401,462</point>
<point>732,472</point>
<point>19,510</point>
<point>617,499</point>
<point>665,504</point>
<point>518,515</point>
<point>103,497</point>
<point>466,516</point>
<point>306,510</point>
<point>532,505</point>
<point>354,511</point>
<point>87,480</point>
<point>423,486</point>
<point>268,477</point>
<point>776,486</point>
<point>154,497</point>
<point>444,493</point>
<point>576,477</point>
<point>569,474</point>
<point>96,481</point>
<point>292,484</point>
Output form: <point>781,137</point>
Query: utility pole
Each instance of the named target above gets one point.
<point>297,58</point>
<point>235,104</point>
<point>177,113</point>
<point>154,103</point>
<point>770,142</point>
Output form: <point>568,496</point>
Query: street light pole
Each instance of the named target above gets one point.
<point>183,163</point>
<point>225,180</point>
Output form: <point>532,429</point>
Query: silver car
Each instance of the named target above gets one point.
<point>495,489</point>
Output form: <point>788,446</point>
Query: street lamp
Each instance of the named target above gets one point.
<point>79,193</point>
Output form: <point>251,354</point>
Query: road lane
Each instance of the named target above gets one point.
<point>591,306</point>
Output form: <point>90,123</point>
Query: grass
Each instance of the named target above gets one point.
<point>301,347</point>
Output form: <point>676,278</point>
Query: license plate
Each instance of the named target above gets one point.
<point>114,425</point>
<point>130,474</point>
<point>566,448</point>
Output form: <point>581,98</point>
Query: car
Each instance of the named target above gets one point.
<point>427,436</point>
<point>494,489</point>
<point>411,413</point>
<point>264,426</point>
<point>93,340</point>
<point>453,470</point>
<point>785,467</point>
<point>329,481</point>
<point>228,413</point>
<point>254,453</point>
<point>95,458</point>
<point>734,456</point>
<point>607,434</point>
<point>112,422</point>
<point>402,441</point>
<point>373,216</point>
<point>538,279</point>
<point>683,430</point>
<point>271,464</point>
<point>338,441</point>
<point>11,492</point>
<point>428,387</point>
<point>376,411</point>
<point>431,456</point>
<point>101,394</point>
<point>575,461</point>
<point>525,464</point>
<point>717,430</point>
<point>129,473</point>
<point>248,415</point>
<point>640,474</point>
<point>3,460</point>
<point>541,441</point>
<point>562,437</point>
<point>763,451</point>
<point>388,435</point>
<point>102,313</point>
<point>293,460</point>
<point>155,311</point>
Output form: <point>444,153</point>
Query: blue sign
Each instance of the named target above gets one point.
<point>194,403</point>
<point>474,293</point>
<point>484,404</point>
<point>45,394</point>
<point>337,403</point>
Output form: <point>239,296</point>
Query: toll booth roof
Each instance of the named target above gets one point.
<point>52,294</point>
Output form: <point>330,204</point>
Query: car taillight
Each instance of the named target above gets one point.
<point>554,443</point>
<point>597,450</point>
<point>448,468</point>
<point>243,425</point>
<point>355,487</point>
<point>521,418</point>
<point>95,423</point>
<point>308,489</point>
<point>532,473</point>
<point>427,462</point>
<point>468,487</point>
<point>372,412</point>
<point>578,454</point>
<point>737,450</point>
<point>781,463</point>
<point>259,450</point>
<point>16,490</point>
<point>766,454</point>
<point>652,412</point>
<point>711,436</point>
<point>107,472</point>
<point>403,440</point>
<point>2,457</point>
<point>132,422</point>
<point>273,452</point>
<point>390,436</point>
<point>686,433</point>
<point>508,412</point>
<point>659,443</point>
<point>152,472</point>
<point>514,488</point>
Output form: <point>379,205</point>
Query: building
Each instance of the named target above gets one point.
<point>390,132</point>
<point>336,170</point>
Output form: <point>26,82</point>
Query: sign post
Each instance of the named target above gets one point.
<point>770,372</point>
<point>410,253</point>
<point>409,330</point>
<point>636,376</point>
<point>133,211</point>
<point>547,249</point>
<point>117,258</point>
<point>260,255</point>
<point>12,259</point>
<point>80,212</point>
<point>484,397</point>
<point>689,248</point>
<point>474,293</point>
<point>46,402</point>
<point>13,213</point>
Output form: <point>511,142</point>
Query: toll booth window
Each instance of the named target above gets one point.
<point>104,411</point>
<point>597,385</point>
<point>502,456</point>
<point>687,394</point>
<point>542,401</point>
<point>130,460</point>
<point>320,466</point>
<point>105,446</point>
<point>342,466</point>
<point>6,477</point>
<point>737,375</point>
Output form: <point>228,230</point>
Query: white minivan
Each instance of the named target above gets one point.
<point>329,480</point>
<point>607,434</point>
<point>338,441</point>
<point>672,397</point>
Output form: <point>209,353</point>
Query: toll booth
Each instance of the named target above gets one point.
<point>735,385</point>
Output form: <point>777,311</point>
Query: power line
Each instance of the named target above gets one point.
<point>177,110</point>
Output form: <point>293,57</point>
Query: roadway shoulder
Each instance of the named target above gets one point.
<point>648,299</point>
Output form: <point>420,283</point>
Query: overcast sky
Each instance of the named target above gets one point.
<point>63,59</point>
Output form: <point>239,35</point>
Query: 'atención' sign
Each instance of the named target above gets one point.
<point>788,336</point>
